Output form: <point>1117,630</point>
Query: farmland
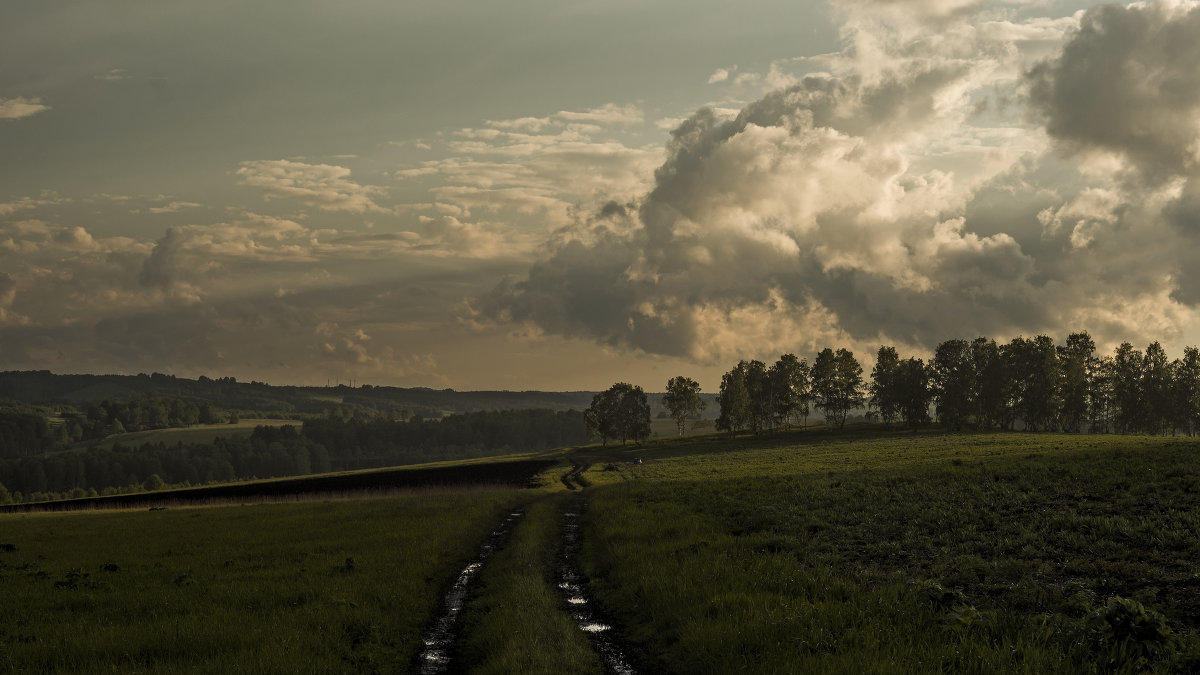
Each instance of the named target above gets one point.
<point>811,551</point>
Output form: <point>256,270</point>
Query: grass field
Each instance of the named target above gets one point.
<point>854,551</point>
<point>989,553</point>
<point>319,587</point>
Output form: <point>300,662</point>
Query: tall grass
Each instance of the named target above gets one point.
<point>517,624</point>
<point>315,587</point>
<point>987,553</point>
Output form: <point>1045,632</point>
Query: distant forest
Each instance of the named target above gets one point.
<point>320,445</point>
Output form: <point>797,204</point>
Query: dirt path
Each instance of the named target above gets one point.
<point>576,598</point>
<point>436,655</point>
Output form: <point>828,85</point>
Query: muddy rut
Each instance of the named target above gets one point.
<point>438,640</point>
<point>577,600</point>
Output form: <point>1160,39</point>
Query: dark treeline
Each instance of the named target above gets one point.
<point>25,430</point>
<point>321,445</point>
<point>378,442</point>
<point>1026,383</point>
<point>259,399</point>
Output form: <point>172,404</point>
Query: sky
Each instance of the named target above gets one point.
<point>561,195</point>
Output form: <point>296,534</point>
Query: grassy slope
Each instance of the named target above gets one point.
<point>268,588</point>
<point>816,553</point>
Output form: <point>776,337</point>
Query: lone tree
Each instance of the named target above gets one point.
<point>683,400</point>
<point>621,411</point>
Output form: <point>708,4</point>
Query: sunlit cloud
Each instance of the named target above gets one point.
<point>20,107</point>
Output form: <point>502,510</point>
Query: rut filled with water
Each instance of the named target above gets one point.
<point>585,615</point>
<point>436,655</point>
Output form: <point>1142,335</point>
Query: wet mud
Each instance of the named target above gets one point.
<point>579,604</point>
<point>438,641</point>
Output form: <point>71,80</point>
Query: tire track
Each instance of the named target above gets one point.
<point>575,596</point>
<point>439,639</point>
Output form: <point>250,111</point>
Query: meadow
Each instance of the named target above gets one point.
<point>805,551</point>
<point>314,587</point>
<point>902,553</point>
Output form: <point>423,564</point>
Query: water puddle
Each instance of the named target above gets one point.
<point>571,586</point>
<point>435,657</point>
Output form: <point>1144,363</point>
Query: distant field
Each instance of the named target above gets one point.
<point>200,433</point>
<point>319,587</point>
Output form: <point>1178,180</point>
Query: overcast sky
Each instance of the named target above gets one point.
<point>558,195</point>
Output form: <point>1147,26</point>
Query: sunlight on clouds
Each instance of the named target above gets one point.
<point>20,107</point>
<point>324,186</point>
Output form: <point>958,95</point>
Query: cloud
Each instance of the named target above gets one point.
<point>904,196</point>
<point>20,107</point>
<point>324,186</point>
<point>174,207</point>
<point>1125,83</point>
<point>719,75</point>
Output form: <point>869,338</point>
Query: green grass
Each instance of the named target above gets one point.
<point>306,587</point>
<point>516,624</point>
<point>855,552</point>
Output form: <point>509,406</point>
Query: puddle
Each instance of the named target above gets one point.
<point>435,656</point>
<point>574,595</point>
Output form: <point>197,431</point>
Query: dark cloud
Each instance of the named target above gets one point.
<point>1126,82</point>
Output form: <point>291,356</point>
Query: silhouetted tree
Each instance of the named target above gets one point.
<point>883,389</point>
<point>837,384</point>
<point>789,378</point>
<point>952,378</point>
<point>734,399</point>
<point>682,400</point>
<point>622,411</point>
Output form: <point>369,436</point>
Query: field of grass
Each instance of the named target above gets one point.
<point>317,587</point>
<point>199,433</point>
<point>516,624</point>
<point>815,551</point>
<point>902,553</point>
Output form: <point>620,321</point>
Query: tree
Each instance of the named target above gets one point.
<point>683,401</point>
<point>1186,380</point>
<point>1156,388</point>
<point>734,399</point>
<point>953,382</point>
<point>758,387</point>
<point>883,384</point>
<point>1102,402</point>
<point>910,382</point>
<point>992,394</point>
<point>1074,363</point>
<point>1033,367</point>
<point>1127,388</point>
<point>622,411</point>
<point>789,379</point>
<point>837,384</point>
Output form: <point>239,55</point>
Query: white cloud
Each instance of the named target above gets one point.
<point>20,107</point>
<point>174,207</point>
<point>324,186</point>
<point>719,75</point>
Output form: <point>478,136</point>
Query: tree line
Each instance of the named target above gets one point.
<point>1027,383</point>
<point>334,443</point>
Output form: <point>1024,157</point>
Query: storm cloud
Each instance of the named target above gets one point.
<point>890,199</point>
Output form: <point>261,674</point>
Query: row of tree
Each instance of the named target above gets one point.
<point>1028,383</point>
<point>755,397</point>
<point>320,445</point>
